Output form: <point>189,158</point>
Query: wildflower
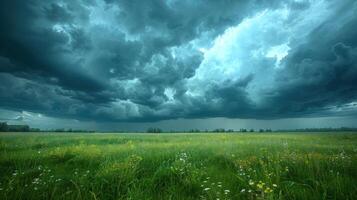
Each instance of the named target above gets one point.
<point>275,185</point>
<point>206,189</point>
<point>219,185</point>
<point>251,182</point>
<point>1,189</point>
<point>260,185</point>
<point>35,188</point>
<point>243,190</point>
<point>226,191</point>
<point>249,191</point>
<point>268,190</point>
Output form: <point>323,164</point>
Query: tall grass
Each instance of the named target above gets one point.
<point>178,166</point>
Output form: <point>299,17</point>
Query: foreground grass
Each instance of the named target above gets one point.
<point>178,166</point>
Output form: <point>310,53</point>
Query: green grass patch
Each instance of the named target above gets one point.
<point>178,166</point>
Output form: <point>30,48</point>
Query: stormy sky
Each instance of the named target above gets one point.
<point>104,64</point>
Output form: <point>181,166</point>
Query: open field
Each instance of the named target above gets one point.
<point>178,166</point>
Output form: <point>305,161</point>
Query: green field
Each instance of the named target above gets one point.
<point>178,166</point>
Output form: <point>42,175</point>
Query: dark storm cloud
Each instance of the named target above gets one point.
<point>57,13</point>
<point>316,78</point>
<point>33,49</point>
<point>121,60</point>
<point>321,72</point>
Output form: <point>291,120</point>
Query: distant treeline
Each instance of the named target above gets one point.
<point>218,130</point>
<point>243,130</point>
<point>70,130</point>
<point>341,129</point>
<point>4,127</point>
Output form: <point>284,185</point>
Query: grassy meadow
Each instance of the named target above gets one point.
<point>178,166</point>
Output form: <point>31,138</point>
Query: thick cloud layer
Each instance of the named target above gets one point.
<point>129,60</point>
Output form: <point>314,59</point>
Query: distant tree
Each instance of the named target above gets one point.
<point>194,131</point>
<point>261,130</point>
<point>219,130</point>
<point>25,128</point>
<point>18,128</point>
<point>268,130</point>
<point>3,127</point>
<point>251,130</point>
<point>243,130</point>
<point>154,130</point>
